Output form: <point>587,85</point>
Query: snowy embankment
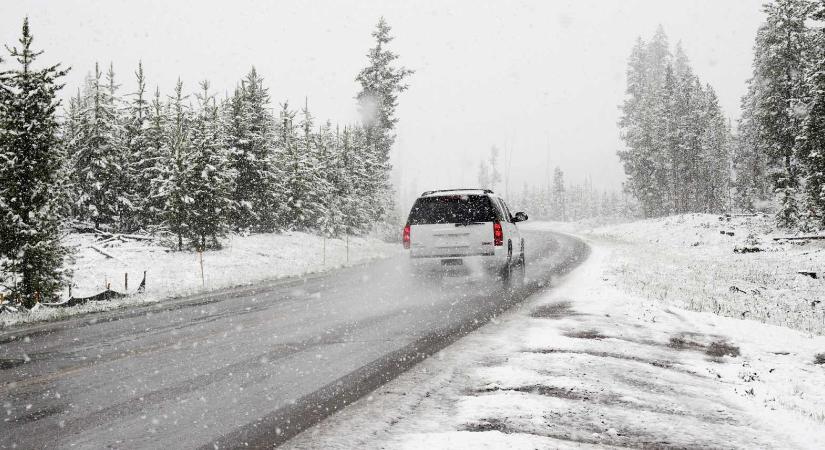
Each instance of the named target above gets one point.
<point>591,364</point>
<point>243,260</point>
<point>732,267</point>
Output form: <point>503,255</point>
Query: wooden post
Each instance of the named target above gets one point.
<point>200,257</point>
<point>125,281</point>
<point>142,286</point>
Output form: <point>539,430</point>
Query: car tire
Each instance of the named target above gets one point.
<point>520,272</point>
<point>512,274</point>
<point>506,274</point>
<point>507,269</point>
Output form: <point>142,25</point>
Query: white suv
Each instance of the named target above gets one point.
<point>466,227</point>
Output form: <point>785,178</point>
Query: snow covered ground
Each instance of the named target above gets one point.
<point>243,260</point>
<point>687,261</point>
<point>597,362</point>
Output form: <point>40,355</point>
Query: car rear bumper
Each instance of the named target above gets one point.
<point>451,262</point>
<point>427,252</point>
<point>450,255</point>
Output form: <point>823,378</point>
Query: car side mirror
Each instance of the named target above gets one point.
<point>520,217</point>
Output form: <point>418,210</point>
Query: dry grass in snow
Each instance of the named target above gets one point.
<point>687,261</point>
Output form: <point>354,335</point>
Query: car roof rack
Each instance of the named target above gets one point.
<point>486,191</point>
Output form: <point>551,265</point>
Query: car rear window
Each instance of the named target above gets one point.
<point>452,209</point>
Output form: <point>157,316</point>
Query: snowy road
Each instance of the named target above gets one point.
<point>245,366</point>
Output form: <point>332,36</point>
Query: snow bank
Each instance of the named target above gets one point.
<point>731,267</point>
<point>243,260</point>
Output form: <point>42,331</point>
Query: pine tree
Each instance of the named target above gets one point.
<point>381,83</point>
<point>714,157</point>
<point>312,199</point>
<point>676,156</point>
<point>780,55</point>
<point>333,174</point>
<point>691,117</point>
<point>72,139</point>
<point>208,180</point>
<point>811,142</point>
<point>488,174</point>
<point>261,145</point>
<point>749,158</point>
<point>643,132</point>
<point>658,56</point>
<point>357,207</point>
<point>154,163</point>
<point>235,128</point>
<point>295,180</point>
<point>484,176</point>
<point>666,153</point>
<point>30,159</point>
<point>98,158</point>
<point>559,199</point>
<point>250,138</point>
<point>173,187</point>
<point>685,115</point>
<point>495,175</point>
<point>139,162</point>
<point>123,209</point>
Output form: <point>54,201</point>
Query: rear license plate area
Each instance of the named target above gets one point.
<point>452,262</point>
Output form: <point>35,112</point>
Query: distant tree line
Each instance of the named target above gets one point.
<point>677,141</point>
<point>193,165</point>
<point>557,200</point>
<point>570,202</point>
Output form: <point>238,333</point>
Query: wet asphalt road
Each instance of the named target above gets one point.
<point>246,367</point>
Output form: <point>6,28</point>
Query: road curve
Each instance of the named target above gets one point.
<point>248,367</point>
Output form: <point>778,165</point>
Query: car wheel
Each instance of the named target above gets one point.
<point>512,274</point>
<point>519,273</point>
<point>507,274</point>
<point>506,271</point>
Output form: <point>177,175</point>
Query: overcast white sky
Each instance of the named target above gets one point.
<point>541,78</point>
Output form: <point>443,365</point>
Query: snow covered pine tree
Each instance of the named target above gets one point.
<point>811,143</point>
<point>781,53</point>
<point>97,171</point>
<point>677,141</point>
<point>381,82</point>
<point>208,179</point>
<point>30,159</point>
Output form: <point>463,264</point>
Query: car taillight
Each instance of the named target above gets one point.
<point>498,234</point>
<point>406,237</point>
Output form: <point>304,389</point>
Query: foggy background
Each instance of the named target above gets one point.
<point>540,80</point>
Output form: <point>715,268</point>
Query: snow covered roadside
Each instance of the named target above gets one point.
<point>588,365</point>
<point>732,267</point>
<point>243,260</point>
